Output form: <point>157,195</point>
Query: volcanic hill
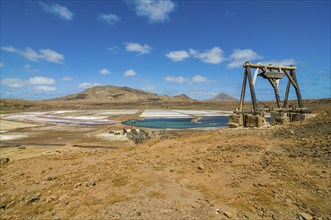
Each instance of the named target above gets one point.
<point>121,94</point>
<point>223,97</point>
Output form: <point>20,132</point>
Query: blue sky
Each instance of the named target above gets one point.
<point>55,48</point>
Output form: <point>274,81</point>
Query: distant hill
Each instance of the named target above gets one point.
<point>120,94</point>
<point>223,97</point>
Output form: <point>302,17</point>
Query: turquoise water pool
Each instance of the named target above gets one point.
<point>181,123</point>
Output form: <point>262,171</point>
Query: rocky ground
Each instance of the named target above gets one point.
<point>280,172</point>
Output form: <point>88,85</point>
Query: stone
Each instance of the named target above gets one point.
<point>50,178</point>
<point>228,214</point>
<point>305,216</point>
<point>21,148</point>
<point>235,120</point>
<point>90,184</point>
<point>4,160</point>
<point>33,198</point>
<point>201,167</point>
<point>254,121</point>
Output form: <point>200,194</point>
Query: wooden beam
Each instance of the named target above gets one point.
<point>258,65</point>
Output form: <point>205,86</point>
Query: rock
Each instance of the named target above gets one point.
<point>201,167</point>
<point>33,198</point>
<point>21,148</point>
<point>228,214</point>
<point>218,211</point>
<point>3,205</point>
<point>305,216</point>
<point>4,160</point>
<point>50,178</point>
<point>90,184</point>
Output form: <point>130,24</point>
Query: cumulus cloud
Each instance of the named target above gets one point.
<point>44,54</point>
<point>148,88</point>
<point>41,80</point>
<point>178,79</point>
<point>67,78</point>
<point>138,48</point>
<point>130,72</point>
<point>285,62</point>
<point>110,19</point>
<point>113,50</point>
<point>88,85</point>
<point>28,68</point>
<point>212,56</point>
<point>13,83</point>
<point>154,10</point>
<point>199,79</point>
<point>194,79</point>
<point>239,57</point>
<point>26,85</point>
<point>44,88</point>
<point>179,55</point>
<point>59,10</point>
<point>104,71</point>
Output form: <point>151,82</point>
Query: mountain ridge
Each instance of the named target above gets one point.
<point>223,97</point>
<point>112,93</point>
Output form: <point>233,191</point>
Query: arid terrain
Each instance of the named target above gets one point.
<point>66,171</point>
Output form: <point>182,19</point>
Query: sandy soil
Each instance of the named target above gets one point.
<point>272,173</point>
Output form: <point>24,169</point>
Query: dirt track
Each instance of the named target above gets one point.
<point>273,173</point>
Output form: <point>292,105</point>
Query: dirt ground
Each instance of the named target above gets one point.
<point>279,172</point>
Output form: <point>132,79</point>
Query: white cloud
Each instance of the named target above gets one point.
<point>67,78</point>
<point>88,85</point>
<point>178,79</point>
<point>199,79</point>
<point>104,71</point>
<point>113,50</point>
<point>212,56</point>
<point>44,88</point>
<point>44,54</point>
<point>136,47</point>
<point>239,57</point>
<point>41,80</point>
<point>50,56</point>
<point>29,69</point>
<point>285,62</point>
<point>1,64</point>
<point>128,73</point>
<point>13,83</point>
<point>110,19</point>
<point>179,55</point>
<point>59,10</point>
<point>194,79</point>
<point>154,10</point>
<point>148,88</point>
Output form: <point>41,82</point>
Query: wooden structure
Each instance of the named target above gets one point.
<point>273,74</point>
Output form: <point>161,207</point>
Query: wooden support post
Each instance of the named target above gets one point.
<point>287,93</point>
<point>289,76</point>
<point>297,90</point>
<point>274,86</point>
<point>243,89</point>
<point>252,89</point>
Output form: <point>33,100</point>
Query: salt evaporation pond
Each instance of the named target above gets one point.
<point>181,123</point>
